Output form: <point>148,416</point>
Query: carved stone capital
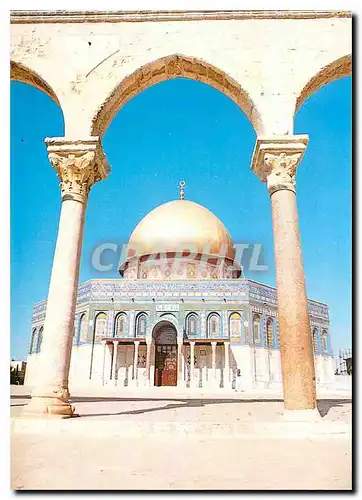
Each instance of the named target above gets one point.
<point>79,165</point>
<point>282,171</point>
<point>275,160</point>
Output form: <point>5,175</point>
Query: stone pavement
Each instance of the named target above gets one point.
<point>155,441</point>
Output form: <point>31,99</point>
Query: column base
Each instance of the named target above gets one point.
<point>308,415</point>
<point>49,402</point>
<point>48,407</point>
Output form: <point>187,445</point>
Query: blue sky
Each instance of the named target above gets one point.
<point>182,129</point>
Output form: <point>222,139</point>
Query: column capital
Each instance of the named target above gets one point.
<point>79,164</point>
<point>275,160</point>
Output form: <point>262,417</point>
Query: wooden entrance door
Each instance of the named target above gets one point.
<point>166,365</point>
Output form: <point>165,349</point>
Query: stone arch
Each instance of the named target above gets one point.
<point>337,69</point>
<point>164,332</point>
<point>235,324</point>
<point>100,325</point>
<point>213,325</point>
<point>141,324</point>
<point>191,324</point>
<point>168,317</point>
<point>167,68</point>
<point>33,341</point>
<point>120,325</point>
<point>82,328</point>
<point>39,339</point>
<point>256,328</point>
<point>20,73</point>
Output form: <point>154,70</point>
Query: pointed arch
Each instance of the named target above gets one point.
<point>100,325</point>
<point>213,325</point>
<point>337,69</point>
<point>82,335</point>
<point>167,68</point>
<point>191,324</point>
<point>40,339</point>
<point>256,328</point>
<point>33,341</point>
<point>141,325</point>
<point>235,325</point>
<point>120,325</point>
<point>20,73</point>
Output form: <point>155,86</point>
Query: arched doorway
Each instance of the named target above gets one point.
<point>165,337</point>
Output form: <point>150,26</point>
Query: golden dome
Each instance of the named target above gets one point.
<point>180,225</point>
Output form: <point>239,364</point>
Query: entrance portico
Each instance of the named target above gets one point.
<point>194,363</point>
<point>165,367</point>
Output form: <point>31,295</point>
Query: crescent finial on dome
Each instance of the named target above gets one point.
<point>182,192</point>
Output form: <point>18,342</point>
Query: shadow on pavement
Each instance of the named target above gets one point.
<point>324,405</point>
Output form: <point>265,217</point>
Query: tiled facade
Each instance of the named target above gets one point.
<point>238,316</point>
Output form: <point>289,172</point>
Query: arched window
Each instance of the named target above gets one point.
<point>141,325</point>
<point>40,339</point>
<point>213,325</point>
<point>120,325</point>
<point>324,340</point>
<point>269,332</point>
<point>83,328</point>
<point>315,340</point>
<point>191,324</point>
<point>235,325</point>
<point>256,328</point>
<point>100,326</point>
<point>33,341</point>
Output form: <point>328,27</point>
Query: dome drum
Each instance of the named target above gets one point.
<point>167,266</point>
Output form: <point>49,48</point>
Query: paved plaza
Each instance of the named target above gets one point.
<point>165,440</point>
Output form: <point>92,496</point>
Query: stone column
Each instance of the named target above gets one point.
<point>213,361</point>
<point>192,362</point>
<point>227,366</point>
<point>108,364</point>
<point>148,362</point>
<point>79,164</point>
<point>104,361</point>
<point>135,359</point>
<point>183,366</point>
<point>275,161</point>
<point>179,364</point>
<point>114,361</point>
